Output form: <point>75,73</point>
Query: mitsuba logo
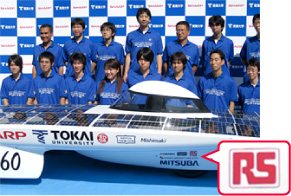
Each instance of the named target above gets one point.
<point>13,135</point>
<point>179,162</point>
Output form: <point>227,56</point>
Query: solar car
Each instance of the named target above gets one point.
<point>154,124</point>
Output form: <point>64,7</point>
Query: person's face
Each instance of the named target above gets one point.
<point>111,73</point>
<point>216,29</point>
<point>144,20</point>
<point>182,32</point>
<point>45,64</point>
<point>144,65</point>
<point>178,66</point>
<point>211,129</point>
<point>216,62</point>
<point>252,72</point>
<point>45,34</point>
<point>78,30</point>
<point>78,66</point>
<point>14,68</point>
<point>107,33</point>
<point>257,25</point>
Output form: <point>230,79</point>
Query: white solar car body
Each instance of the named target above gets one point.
<point>154,124</point>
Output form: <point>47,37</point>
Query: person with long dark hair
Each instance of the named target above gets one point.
<point>112,86</point>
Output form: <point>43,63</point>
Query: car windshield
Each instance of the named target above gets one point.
<point>155,103</point>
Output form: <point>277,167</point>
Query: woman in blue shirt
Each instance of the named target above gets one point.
<point>112,86</point>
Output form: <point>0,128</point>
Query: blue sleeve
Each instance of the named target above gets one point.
<point>32,93</point>
<point>192,87</point>
<point>121,55</point>
<point>61,57</point>
<point>231,52</point>
<point>93,52</point>
<point>34,57</point>
<point>65,57</point>
<point>233,92</point>
<point>92,91</point>
<point>159,45</point>
<point>200,89</point>
<point>4,91</point>
<point>63,88</point>
<point>243,54</point>
<point>196,61</point>
<point>202,59</point>
<point>128,44</point>
<point>165,55</point>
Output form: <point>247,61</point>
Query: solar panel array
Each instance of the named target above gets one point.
<point>246,124</point>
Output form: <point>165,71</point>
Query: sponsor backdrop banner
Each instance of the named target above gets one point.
<point>20,21</point>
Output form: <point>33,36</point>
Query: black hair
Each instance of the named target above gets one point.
<point>147,54</point>
<point>78,21</point>
<point>217,51</point>
<point>253,62</point>
<point>217,20</point>
<point>184,23</point>
<point>140,11</point>
<point>17,59</point>
<point>179,56</point>
<point>48,26</point>
<point>109,25</point>
<point>256,16</point>
<point>78,56</point>
<point>48,55</point>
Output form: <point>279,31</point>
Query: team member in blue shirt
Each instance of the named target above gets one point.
<point>81,88</point>
<point>251,47</point>
<point>178,62</point>
<point>48,87</point>
<point>182,44</point>
<point>217,89</point>
<point>108,49</point>
<point>46,33</point>
<point>140,38</point>
<point>217,41</point>
<point>112,86</point>
<point>144,58</point>
<point>15,87</point>
<point>79,43</point>
<point>249,92</point>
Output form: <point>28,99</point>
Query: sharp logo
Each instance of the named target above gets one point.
<point>26,8</point>
<point>62,7</point>
<point>95,7</point>
<point>135,6</point>
<point>214,5</point>
<point>40,135</point>
<point>14,135</point>
<point>7,26</point>
<point>175,5</point>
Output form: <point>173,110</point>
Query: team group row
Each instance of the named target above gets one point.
<point>142,38</point>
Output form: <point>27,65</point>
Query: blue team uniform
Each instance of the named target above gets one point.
<point>110,93</point>
<point>250,49</point>
<point>81,92</point>
<point>249,97</point>
<point>55,49</point>
<point>189,49</point>
<point>224,44</point>
<point>136,40</point>
<point>184,81</point>
<point>48,90</point>
<point>217,93</point>
<point>135,77</point>
<point>86,47</point>
<point>113,51</point>
<point>16,91</point>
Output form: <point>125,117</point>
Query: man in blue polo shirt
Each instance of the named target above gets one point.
<point>15,87</point>
<point>108,49</point>
<point>251,47</point>
<point>48,87</point>
<point>79,43</point>
<point>217,89</point>
<point>182,44</point>
<point>217,41</point>
<point>249,91</point>
<point>81,87</point>
<point>145,58</point>
<point>46,33</point>
<point>140,38</point>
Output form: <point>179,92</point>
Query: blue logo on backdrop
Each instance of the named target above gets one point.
<point>4,64</point>
<point>98,8</point>
<point>158,24</point>
<point>133,6</point>
<point>86,32</point>
<point>235,26</point>
<point>61,40</point>
<point>26,45</point>
<point>120,24</point>
<point>197,25</point>
<point>26,9</point>
<point>62,8</point>
<point>214,7</point>
<point>8,27</point>
<point>175,8</point>
<point>253,7</point>
<point>41,21</point>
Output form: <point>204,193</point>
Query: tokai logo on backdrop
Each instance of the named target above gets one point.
<point>131,6</point>
<point>253,5</point>
<point>62,8</point>
<point>98,7</point>
<point>8,27</point>
<point>21,8</point>
<point>215,5</point>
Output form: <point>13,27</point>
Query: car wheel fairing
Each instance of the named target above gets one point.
<point>190,173</point>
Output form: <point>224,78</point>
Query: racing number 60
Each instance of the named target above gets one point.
<point>14,162</point>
